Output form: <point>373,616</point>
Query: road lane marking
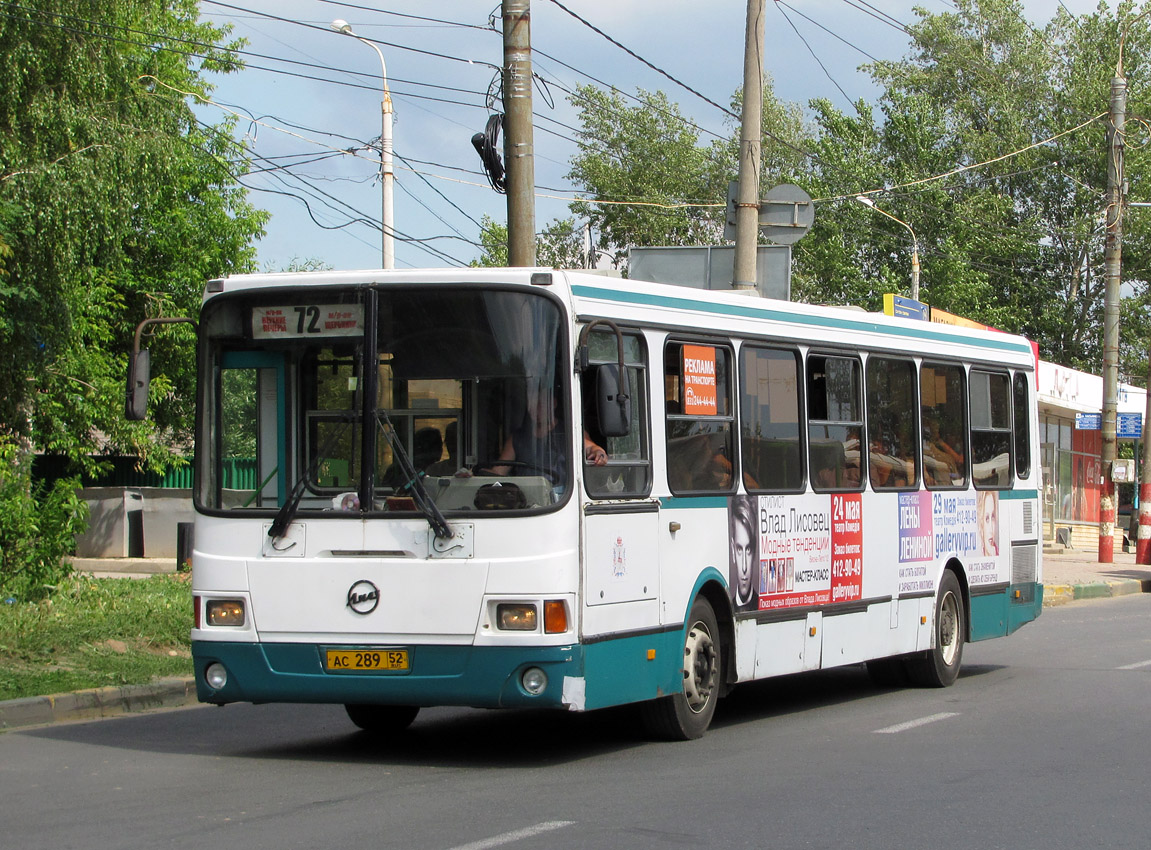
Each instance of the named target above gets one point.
<point>911,724</point>
<point>1135,666</point>
<point>517,835</point>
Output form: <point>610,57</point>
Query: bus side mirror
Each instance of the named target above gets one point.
<point>613,403</point>
<point>139,374</point>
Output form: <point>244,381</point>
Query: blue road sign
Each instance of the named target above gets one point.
<point>1088,421</point>
<point>1129,426</point>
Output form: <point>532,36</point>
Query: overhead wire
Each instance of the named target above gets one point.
<point>811,50</point>
<point>380,11</point>
<point>636,56</point>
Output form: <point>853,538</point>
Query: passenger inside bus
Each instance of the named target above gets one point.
<point>942,462</point>
<point>538,445</point>
<point>887,468</point>
<point>449,465</point>
<point>428,447</point>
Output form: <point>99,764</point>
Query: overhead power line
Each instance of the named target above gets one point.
<point>636,56</point>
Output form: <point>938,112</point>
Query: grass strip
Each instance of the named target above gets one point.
<point>95,632</point>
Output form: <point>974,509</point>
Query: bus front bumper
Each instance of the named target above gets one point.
<point>482,677</point>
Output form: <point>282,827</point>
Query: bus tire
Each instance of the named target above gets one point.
<point>939,666</point>
<point>380,719</point>
<point>686,715</point>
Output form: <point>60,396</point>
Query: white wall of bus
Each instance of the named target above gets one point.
<point>782,646</point>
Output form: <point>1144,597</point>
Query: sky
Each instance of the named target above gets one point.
<point>308,103</point>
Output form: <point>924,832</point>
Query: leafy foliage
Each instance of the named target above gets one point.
<point>118,203</point>
<point>1013,236</point>
<point>559,245</point>
<point>657,183</point>
<point>38,525</point>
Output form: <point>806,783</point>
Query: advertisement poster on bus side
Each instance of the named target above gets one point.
<point>916,542</point>
<point>796,551</point>
<point>964,525</point>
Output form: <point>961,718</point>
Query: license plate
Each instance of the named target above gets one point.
<point>361,660</point>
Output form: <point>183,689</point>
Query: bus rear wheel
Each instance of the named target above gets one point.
<point>938,667</point>
<point>380,719</point>
<point>686,715</point>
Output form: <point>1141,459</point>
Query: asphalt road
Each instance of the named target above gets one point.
<point>1041,743</point>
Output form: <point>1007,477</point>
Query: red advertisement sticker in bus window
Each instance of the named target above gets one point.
<point>846,547</point>
<point>699,385</point>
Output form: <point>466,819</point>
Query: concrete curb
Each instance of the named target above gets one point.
<point>96,703</point>
<point>1061,594</point>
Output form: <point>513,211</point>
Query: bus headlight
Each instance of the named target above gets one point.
<point>216,675</point>
<point>534,680</point>
<point>225,612</point>
<point>516,616</point>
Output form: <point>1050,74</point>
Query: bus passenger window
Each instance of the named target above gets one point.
<point>627,472</point>
<point>834,423</point>
<point>943,411</point>
<point>891,424</point>
<point>700,440</point>
<point>770,447</point>
<point>1022,402</point>
<point>990,429</point>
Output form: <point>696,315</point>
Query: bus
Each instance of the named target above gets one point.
<point>543,488</point>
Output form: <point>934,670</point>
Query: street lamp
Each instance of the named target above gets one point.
<point>867,202</point>
<point>387,177</point>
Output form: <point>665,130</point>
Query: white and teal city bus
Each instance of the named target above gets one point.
<point>520,487</point>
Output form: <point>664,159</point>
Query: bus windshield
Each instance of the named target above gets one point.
<point>356,400</point>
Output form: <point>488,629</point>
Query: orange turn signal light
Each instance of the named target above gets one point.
<point>555,617</point>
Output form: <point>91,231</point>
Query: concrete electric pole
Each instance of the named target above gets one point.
<point>1113,254</point>
<point>519,152</point>
<point>750,152</point>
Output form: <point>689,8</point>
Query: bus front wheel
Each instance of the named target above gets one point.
<point>382,718</point>
<point>686,715</point>
<point>938,667</point>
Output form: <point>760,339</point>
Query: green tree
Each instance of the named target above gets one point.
<point>1013,235</point>
<point>118,203</point>
<point>656,181</point>
<point>559,245</point>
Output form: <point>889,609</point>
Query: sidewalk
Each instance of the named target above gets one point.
<point>1068,575</point>
<point>1073,574</point>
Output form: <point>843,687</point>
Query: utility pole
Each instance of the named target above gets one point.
<point>1112,258</point>
<point>1143,535</point>
<point>519,153</point>
<point>750,152</point>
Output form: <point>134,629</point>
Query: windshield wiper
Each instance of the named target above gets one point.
<point>288,510</point>
<point>412,479</point>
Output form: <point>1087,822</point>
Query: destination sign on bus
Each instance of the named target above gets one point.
<point>307,320</point>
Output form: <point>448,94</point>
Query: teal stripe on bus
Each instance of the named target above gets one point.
<point>1018,495</point>
<point>834,322</point>
<point>694,502</point>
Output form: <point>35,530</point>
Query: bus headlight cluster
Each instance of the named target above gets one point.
<point>516,616</point>
<point>525,616</point>
<point>225,612</point>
